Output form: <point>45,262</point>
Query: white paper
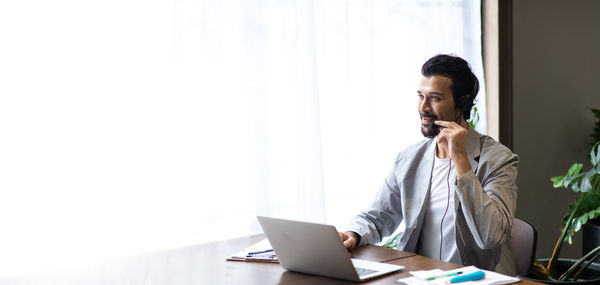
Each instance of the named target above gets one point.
<point>491,278</point>
<point>257,247</point>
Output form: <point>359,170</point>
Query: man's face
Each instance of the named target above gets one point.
<point>436,102</point>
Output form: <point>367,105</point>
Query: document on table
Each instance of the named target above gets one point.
<point>261,251</point>
<point>491,277</point>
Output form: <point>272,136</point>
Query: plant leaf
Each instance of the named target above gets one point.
<point>570,181</point>
<point>575,169</point>
<point>577,226</point>
<point>595,181</point>
<point>557,181</point>
<point>474,118</point>
<point>595,154</point>
<point>596,134</point>
<point>586,182</point>
<point>570,238</point>
<point>589,209</point>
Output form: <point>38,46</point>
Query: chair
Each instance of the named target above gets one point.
<point>523,244</point>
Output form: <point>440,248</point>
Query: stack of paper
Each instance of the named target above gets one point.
<point>259,252</point>
<point>420,277</point>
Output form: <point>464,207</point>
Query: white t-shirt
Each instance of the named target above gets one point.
<point>438,224</point>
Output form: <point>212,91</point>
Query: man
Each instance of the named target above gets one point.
<point>456,190</point>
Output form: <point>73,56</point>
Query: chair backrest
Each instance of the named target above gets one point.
<point>523,244</point>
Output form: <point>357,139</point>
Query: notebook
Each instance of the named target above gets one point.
<point>313,248</point>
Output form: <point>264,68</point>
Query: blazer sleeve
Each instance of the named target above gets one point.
<point>383,215</point>
<point>488,199</point>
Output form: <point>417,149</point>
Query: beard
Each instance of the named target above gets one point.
<point>429,130</point>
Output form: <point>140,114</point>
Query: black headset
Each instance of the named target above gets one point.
<point>463,103</point>
<point>447,207</point>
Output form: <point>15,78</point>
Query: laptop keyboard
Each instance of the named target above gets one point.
<point>364,271</point>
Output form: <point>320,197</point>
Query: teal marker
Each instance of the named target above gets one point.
<point>477,275</point>
<point>443,276</point>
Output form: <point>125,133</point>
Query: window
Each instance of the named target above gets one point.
<point>133,126</point>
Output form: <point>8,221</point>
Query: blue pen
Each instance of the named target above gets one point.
<point>477,275</point>
<point>259,252</point>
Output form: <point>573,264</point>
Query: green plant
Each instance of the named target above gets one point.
<point>475,118</point>
<point>585,207</point>
<point>392,241</point>
<point>596,133</point>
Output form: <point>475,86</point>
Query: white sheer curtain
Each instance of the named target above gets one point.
<point>132,126</point>
<point>370,54</point>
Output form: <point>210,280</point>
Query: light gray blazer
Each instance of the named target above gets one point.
<point>485,200</point>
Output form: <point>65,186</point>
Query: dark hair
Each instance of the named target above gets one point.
<point>464,83</point>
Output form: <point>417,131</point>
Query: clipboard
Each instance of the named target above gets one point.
<point>261,251</point>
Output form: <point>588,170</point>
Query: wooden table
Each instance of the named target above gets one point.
<point>206,264</point>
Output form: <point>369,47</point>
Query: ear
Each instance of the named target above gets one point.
<point>462,106</point>
<point>463,103</point>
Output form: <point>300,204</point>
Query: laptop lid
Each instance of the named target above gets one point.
<point>315,249</point>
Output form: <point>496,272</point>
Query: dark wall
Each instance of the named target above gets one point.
<point>556,80</point>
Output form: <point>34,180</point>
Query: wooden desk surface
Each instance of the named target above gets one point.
<point>206,264</point>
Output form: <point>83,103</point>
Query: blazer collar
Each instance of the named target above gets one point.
<point>473,147</point>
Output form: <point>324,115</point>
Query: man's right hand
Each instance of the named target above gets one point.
<point>349,239</point>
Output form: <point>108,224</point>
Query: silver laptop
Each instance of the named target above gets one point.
<point>317,249</point>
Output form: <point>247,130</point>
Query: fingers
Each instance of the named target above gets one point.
<point>348,240</point>
<point>447,124</point>
<point>342,236</point>
<point>453,139</point>
<point>442,137</point>
<point>349,243</point>
<point>449,129</point>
